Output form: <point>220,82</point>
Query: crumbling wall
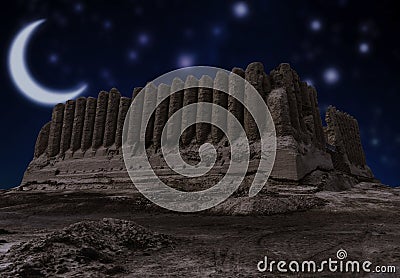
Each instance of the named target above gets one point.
<point>294,108</point>
<point>89,130</point>
<point>301,116</point>
<point>343,133</point>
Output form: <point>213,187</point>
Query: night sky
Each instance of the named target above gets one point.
<point>349,50</point>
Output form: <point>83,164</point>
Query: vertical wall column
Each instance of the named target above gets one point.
<point>299,101</point>
<point>319,132</point>
<point>221,83</point>
<point>355,145</point>
<point>189,97</point>
<point>77,128</point>
<point>307,110</point>
<point>352,140</point>
<point>254,74</point>
<point>136,91</point>
<point>149,103</point>
<point>360,150</point>
<point>333,130</point>
<point>279,107</point>
<point>255,77</point>
<point>161,114</point>
<point>55,130</point>
<point>294,113</point>
<point>282,77</point>
<point>205,94</point>
<point>343,132</point>
<point>68,121</point>
<point>310,96</point>
<point>111,118</point>
<point>356,141</point>
<point>100,119</point>
<point>42,140</point>
<point>88,123</point>
<point>175,103</point>
<point>348,139</point>
<point>123,109</point>
<point>135,117</point>
<point>236,89</point>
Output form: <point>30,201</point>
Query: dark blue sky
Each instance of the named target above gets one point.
<point>349,50</point>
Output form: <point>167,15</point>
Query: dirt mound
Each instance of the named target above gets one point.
<point>83,247</point>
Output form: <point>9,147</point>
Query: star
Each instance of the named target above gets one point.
<point>185,60</point>
<point>315,25</point>
<point>78,7</point>
<point>363,47</point>
<point>143,39</point>
<point>331,76</point>
<point>132,55</point>
<point>240,9</point>
<point>107,24</point>
<point>53,58</point>
<point>375,142</point>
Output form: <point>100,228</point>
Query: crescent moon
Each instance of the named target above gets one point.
<point>22,78</point>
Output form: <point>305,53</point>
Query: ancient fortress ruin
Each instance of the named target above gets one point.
<point>81,145</point>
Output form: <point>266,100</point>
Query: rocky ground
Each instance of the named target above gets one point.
<point>83,247</point>
<point>109,232</point>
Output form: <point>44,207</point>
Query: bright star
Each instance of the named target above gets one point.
<point>315,25</point>
<point>363,47</point>
<point>185,60</point>
<point>331,75</point>
<point>240,9</point>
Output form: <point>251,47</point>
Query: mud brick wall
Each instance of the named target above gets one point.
<point>342,131</point>
<point>87,125</point>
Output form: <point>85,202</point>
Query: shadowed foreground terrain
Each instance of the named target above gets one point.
<point>40,234</point>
